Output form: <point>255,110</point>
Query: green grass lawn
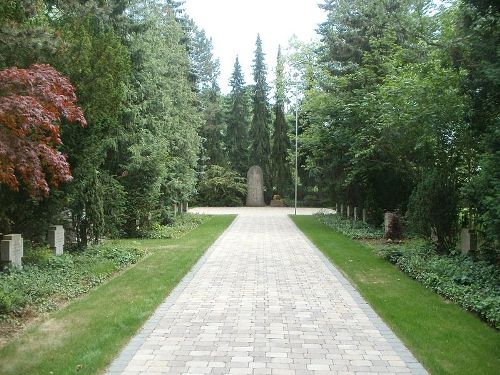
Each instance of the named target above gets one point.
<point>84,336</point>
<point>443,337</point>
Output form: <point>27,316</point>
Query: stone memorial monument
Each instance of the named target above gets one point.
<point>255,187</point>
<point>11,250</point>
<point>56,239</point>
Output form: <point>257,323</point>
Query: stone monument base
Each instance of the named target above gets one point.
<point>277,203</point>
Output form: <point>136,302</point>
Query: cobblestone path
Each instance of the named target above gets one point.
<point>264,300</point>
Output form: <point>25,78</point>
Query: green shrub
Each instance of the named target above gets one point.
<point>180,226</point>
<point>473,284</point>
<point>6,302</point>
<point>350,228</point>
<point>37,254</point>
<point>433,208</point>
<point>221,187</point>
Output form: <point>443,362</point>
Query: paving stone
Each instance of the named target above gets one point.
<point>264,300</point>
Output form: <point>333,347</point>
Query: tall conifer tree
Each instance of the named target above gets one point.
<point>259,132</point>
<point>237,130</point>
<point>280,170</point>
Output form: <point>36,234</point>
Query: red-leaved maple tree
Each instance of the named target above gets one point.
<point>32,103</point>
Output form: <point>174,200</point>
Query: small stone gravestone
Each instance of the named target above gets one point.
<point>393,226</point>
<point>56,239</point>
<point>255,187</point>
<point>468,241</point>
<point>11,250</point>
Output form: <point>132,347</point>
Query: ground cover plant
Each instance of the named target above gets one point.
<point>88,333</point>
<point>354,229</point>
<point>47,281</point>
<point>179,226</point>
<point>42,284</point>
<point>473,284</point>
<point>444,338</point>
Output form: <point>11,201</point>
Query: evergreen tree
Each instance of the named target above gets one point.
<point>237,129</point>
<point>163,146</point>
<point>280,137</point>
<point>259,131</point>
<point>204,73</point>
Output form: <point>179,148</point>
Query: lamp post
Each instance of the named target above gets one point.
<point>296,152</point>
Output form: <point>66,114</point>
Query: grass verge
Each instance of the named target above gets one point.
<point>443,337</point>
<point>88,333</point>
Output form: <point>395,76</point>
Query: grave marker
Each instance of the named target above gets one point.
<point>11,250</point>
<point>56,239</point>
<point>468,241</point>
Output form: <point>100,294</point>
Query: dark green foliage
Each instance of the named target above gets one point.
<point>46,278</point>
<point>433,209</point>
<point>159,151</point>
<point>279,163</point>
<point>478,32</point>
<point>204,71</point>
<point>221,187</point>
<point>237,140</point>
<point>259,131</point>
<point>474,285</point>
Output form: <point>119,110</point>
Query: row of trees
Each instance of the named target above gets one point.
<point>249,132</point>
<point>154,125</point>
<point>401,112</point>
<point>135,68</point>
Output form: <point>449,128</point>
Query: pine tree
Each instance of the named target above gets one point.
<point>237,130</point>
<point>259,132</point>
<point>280,137</point>
<point>204,74</point>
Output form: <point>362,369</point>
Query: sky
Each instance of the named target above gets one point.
<point>233,26</point>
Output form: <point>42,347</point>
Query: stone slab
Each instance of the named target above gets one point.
<point>255,187</point>
<point>56,239</point>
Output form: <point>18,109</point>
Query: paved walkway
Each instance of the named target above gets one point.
<point>264,300</point>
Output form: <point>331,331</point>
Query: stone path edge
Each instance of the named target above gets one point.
<point>384,329</point>
<point>119,363</point>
